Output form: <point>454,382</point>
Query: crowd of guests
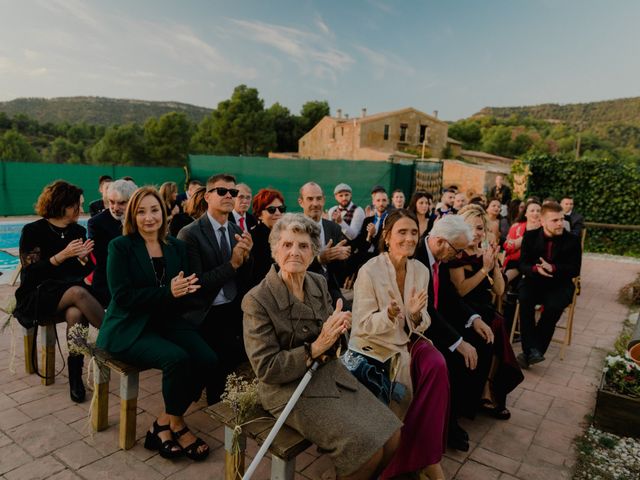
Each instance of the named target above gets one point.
<point>195,284</point>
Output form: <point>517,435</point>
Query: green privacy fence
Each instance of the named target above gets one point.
<point>21,182</point>
<point>287,175</point>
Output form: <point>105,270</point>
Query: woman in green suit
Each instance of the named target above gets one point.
<point>142,326</point>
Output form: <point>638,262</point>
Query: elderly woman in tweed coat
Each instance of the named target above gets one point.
<point>289,323</point>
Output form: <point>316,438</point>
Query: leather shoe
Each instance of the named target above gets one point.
<point>535,357</point>
<point>457,442</point>
<point>523,361</point>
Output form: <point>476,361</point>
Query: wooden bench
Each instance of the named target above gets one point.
<point>129,381</point>
<point>287,445</point>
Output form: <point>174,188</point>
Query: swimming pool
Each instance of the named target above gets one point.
<point>10,239</point>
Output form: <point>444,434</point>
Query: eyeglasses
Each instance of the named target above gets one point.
<point>222,191</point>
<point>280,208</point>
<point>458,251</point>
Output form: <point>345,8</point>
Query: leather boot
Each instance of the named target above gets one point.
<point>76,386</point>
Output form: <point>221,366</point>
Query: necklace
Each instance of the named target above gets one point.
<point>55,230</point>
<point>159,278</point>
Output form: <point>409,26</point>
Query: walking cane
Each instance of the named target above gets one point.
<point>281,419</point>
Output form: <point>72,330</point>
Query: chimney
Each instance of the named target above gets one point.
<point>364,112</point>
<point>435,113</point>
<point>339,113</point>
<point>346,115</point>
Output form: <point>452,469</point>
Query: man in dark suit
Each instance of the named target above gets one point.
<point>99,205</point>
<point>240,214</point>
<point>368,240</point>
<point>220,256</point>
<point>550,258</point>
<point>334,252</point>
<point>184,196</point>
<point>103,228</point>
<point>575,221</point>
<point>456,330</point>
<point>500,191</point>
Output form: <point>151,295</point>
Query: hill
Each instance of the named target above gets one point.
<point>620,111</point>
<point>97,110</point>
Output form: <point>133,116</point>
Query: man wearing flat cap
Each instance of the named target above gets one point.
<point>346,214</point>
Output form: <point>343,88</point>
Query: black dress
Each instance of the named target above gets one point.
<point>261,251</point>
<point>508,374</point>
<point>178,221</point>
<point>41,283</point>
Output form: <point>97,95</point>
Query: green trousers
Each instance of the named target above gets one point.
<point>186,361</point>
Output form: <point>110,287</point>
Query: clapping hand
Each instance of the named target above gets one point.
<point>336,216</point>
<point>181,285</point>
<point>544,268</point>
<point>241,250</point>
<point>371,231</point>
<point>393,309</point>
<point>337,324</point>
<point>340,252</point>
<point>76,248</point>
<point>416,303</point>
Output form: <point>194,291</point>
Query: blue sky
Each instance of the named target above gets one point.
<point>452,56</point>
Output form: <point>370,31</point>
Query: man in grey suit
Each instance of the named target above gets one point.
<point>330,263</point>
<point>220,256</point>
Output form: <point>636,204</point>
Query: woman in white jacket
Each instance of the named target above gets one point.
<point>389,353</point>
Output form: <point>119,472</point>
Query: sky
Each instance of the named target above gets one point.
<point>454,56</point>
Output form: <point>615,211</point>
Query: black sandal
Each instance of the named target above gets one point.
<point>495,411</point>
<point>191,451</point>
<point>167,449</point>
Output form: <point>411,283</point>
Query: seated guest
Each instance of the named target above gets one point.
<point>389,321</point>
<point>330,262</point>
<point>103,228</point>
<point>169,194</point>
<point>194,208</point>
<point>99,205</point>
<point>148,278</point>
<point>54,254</point>
<point>420,206</point>
<point>551,258</point>
<point>527,221</point>
<point>445,207</point>
<point>574,220</point>
<point>456,329</point>
<point>459,201</point>
<point>191,188</point>
<point>476,275</point>
<point>480,200</point>
<point>397,198</point>
<point>368,239</point>
<point>240,214</point>
<point>493,222</point>
<point>268,206</point>
<point>220,256</point>
<point>288,325</point>
<point>346,214</point>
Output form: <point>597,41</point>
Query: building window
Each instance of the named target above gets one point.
<point>386,132</point>
<point>423,133</point>
<point>342,131</point>
<point>403,132</point>
<point>333,133</point>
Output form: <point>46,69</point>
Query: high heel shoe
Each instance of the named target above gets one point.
<point>191,451</point>
<point>167,449</point>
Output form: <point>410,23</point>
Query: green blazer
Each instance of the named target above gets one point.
<point>135,294</point>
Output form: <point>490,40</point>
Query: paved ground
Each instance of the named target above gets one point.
<point>44,435</point>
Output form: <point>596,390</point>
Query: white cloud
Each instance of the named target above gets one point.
<point>322,25</point>
<point>77,9</point>
<point>382,63</point>
<point>314,54</point>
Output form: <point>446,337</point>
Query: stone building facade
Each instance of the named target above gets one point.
<point>382,136</point>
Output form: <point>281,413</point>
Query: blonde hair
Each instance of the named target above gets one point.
<point>472,211</point>
<point>130,226</point>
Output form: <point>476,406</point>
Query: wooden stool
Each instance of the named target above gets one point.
<point>287,445</point>
<point>129,380</point>
<point>568,328</point>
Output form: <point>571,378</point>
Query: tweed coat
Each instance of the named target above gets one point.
<point>335,412</point>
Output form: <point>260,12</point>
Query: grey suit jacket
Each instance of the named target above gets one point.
<point>207,262</point>
<point>276,326</point>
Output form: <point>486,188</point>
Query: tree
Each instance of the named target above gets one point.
<point>312,112</point>
<point>286,127</point>
<point>14,146</point>
<point>468,132</point>
<point>167,139</point>
<point>497,140</point>
<point>64,151</point>
<point>123,145</point>
<point>241,126</point>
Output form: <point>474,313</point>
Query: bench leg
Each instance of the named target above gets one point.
<point>233,457</point>
<point>282,469</point>
<point>100,409</point>
<point>48,343</point>
<point>128,407</point>
<point>29,367</point>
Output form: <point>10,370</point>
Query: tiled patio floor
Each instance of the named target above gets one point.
<point>44,435</point>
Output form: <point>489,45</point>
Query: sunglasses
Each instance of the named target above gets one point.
<point>222,191</point>
<point>272,210</point>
